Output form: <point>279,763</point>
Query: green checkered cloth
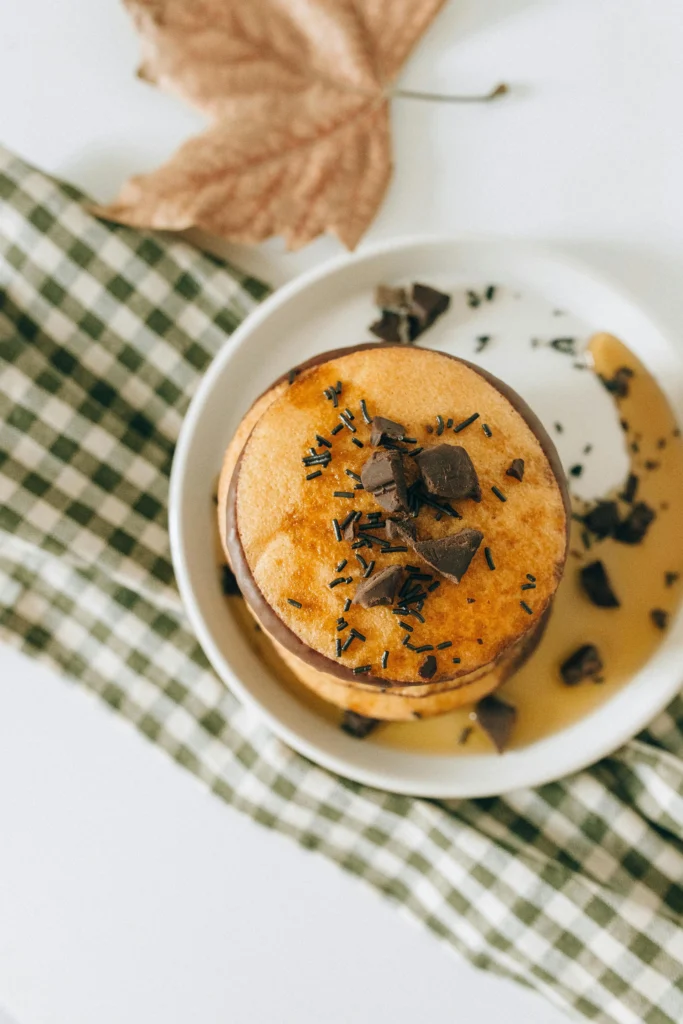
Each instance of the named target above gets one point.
<point>575,889</point>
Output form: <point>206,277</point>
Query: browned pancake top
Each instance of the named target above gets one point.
<point>285,524</point>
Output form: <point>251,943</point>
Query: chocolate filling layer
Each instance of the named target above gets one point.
<point>269,618</point>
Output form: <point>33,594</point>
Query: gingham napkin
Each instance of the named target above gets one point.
<point>575,889</point>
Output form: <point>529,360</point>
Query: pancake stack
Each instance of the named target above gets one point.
<point>397,521</point>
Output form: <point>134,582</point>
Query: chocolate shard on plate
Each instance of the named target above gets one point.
<point>229,583</point>
<point>496,718</point>
<point>630,489</point>
<point>382,475</point>
<point>386,430</point>
<point>400,531</point>
<point>389,298</point>
<point>400,327</point>
<point>516,469</point>
<point>451,555</point>
<point>618,385</point>
<point>584,663</point>
<point>380,588</point>
<point>660,618</point>
<point>603,519</point>
<point>428,303</point>
<point>357,725</point>
<point>632,530</point>
<point>428,667</point>
<point>596,584</point>
<point>448,472</point>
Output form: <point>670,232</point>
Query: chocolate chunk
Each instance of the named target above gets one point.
<point>357,725</point>
<point>428,303</point>
<point>633,529</point>
<point>385,430</point>
<point>496,718</point>
<point>660,618</point>
<point>618,384</point>
<point>630,490</point>
<point>448,472</point>
<point>582,664</point>
<point>603,519</point>
<point>389,298</point>
<point>451,555</point>
<point>396,327</point>
<point>400,531</point>
<point>229,583</point>
<point>595,582</point>
<point>670,578</point>
<point>516,469</point>
<point>382,475</point>
<point>427,668</point>
<point>380,588</point>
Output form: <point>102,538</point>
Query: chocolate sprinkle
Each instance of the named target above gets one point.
<point>465,423</point>
<point>576,470</point>
<point>448,471</point>
<point>358,726</point>
<point>633,529</point>
<point>670,578</point>
<point>660,618</point>
<point>404,625</point>
<point>385,659</point>
<point>597,586</point>
<point>487,430</point>
<point>364,411</point>
<point>323,441</point>
<point>516,469</point>
<point>528,586</point>
<point>532,579</point>
<point>482,342</point>
<point>358,444</point>
<point>428,667</point>
<point>497,719</point>
<point>526,608</point>
<point>229,583</point>
<point>341,565</point>
<point>489,559</point>
<point>439,426</point>
<point>499,494</point>
<point>490,293</point>
<point>335,430</point>
<point>473,300</point>
<point>294,604</point>
<point>361,668</point>
<point>337,648</point>
<point>383,476</point>
<point>380,588</point>
<point>465,734</point>
<point>456,661</point>
<point>565,345</point>
<point>343,494</point>
<point>347,422</point>
<point>347,604</point>
<point>337,530</point>
<point>451,555</point>
<point>582,664</point>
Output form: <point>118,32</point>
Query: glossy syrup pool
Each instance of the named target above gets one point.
<point>626,636</point>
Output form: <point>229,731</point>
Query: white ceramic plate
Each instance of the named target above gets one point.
<point>332,307</point>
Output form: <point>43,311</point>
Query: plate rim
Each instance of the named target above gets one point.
<point>252,322</point>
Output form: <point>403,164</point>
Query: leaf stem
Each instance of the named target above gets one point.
<point>409,94</point>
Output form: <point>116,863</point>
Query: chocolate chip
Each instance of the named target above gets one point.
<point>385,430</point>
<point>660,618</point>
<point>670,578</point>
<point>603,519</point>
<point>448,472</point>
<point>389,298</point>
<point>618,384</point>
<point>357,725</point>
<point>451,555</point>
<point>400,531</point>
<point>380,588</point>
<point>595,582</point>
<point>229,583</point>
<point>427,668</point>
<point>428,303</point>
<point>516,469</point>
<point>630,490</point>
<point>633,529</point>
<point>383,476</point>
<point>496,718</point>
<point>582,664</point>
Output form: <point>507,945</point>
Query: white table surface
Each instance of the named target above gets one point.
<point>126,892</point>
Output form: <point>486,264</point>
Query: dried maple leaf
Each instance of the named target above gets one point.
<point>297,92</point>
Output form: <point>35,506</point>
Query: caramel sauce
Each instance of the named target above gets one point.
<point>626,636</point>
